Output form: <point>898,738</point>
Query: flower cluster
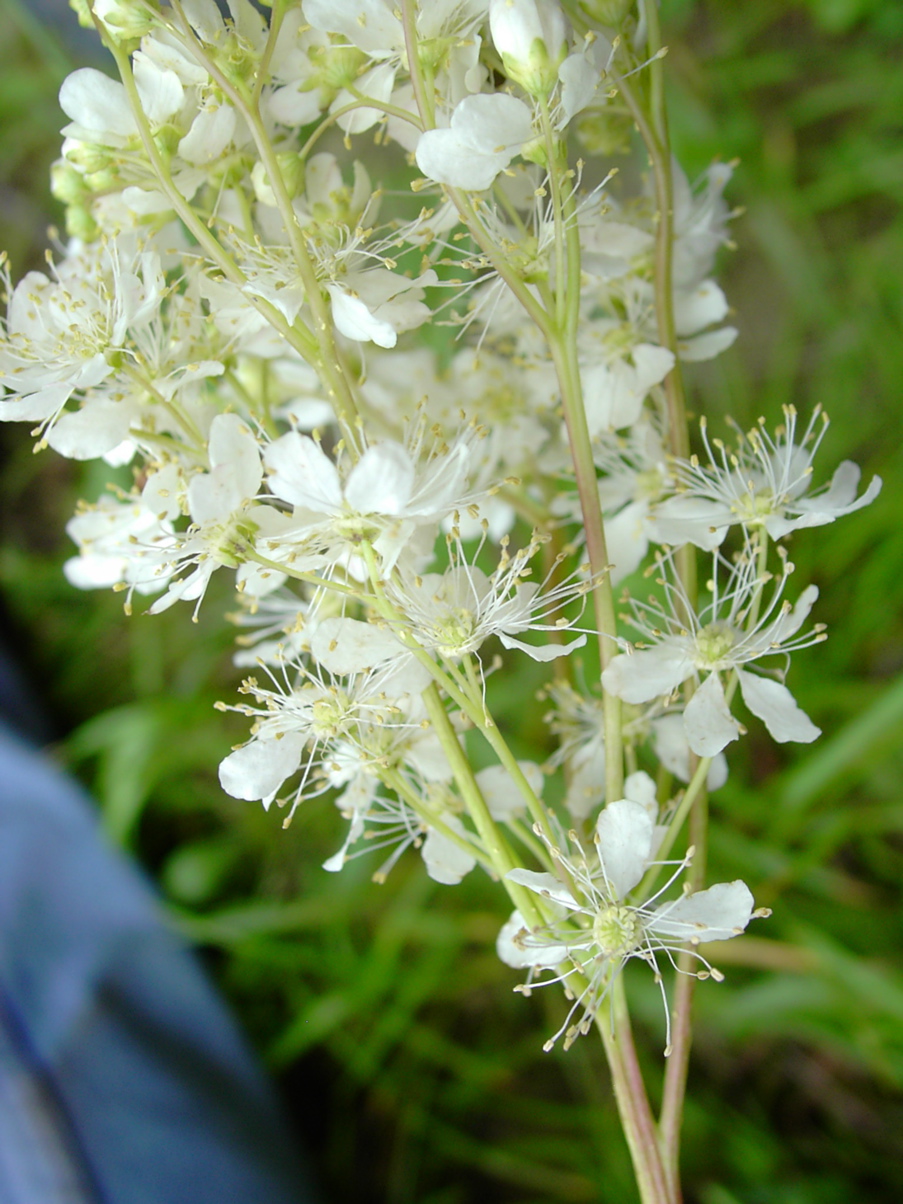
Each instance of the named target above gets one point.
<point>234,317</point>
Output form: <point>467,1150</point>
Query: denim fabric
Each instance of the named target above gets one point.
<point>123,1079</point>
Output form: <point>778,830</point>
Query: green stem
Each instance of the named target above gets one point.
<point>613,1023</point>
<point>494,842</point>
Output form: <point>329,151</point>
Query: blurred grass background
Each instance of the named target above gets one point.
<point>413,1072</point>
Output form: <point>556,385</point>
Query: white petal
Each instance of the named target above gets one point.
<point>652,363</point>
<point>705,346</point>
<point>381,481</point>
<point>542,652</point>
<point>258,769</point>
<point>493,123</point>
<point>343,645</point>
<point>641,676</point>
<point>579,79</point>
<point>624,831</point>
<point>355,321</point>
<point>445,860</point>
<point>513,954</point>
<point>91,431</point>
<point>98,103</point>
<point>715,914</point>
<point>775,706</point>
<point>447,157</point>
<point>640,788</point>
<point>302,473</point>
<point>704,306</point>
<point>546,885</point>
<point>707,719</point>
<point>210,134</point>
<point>160,90</point>
<point>503,798</point>
<point>368,24</point>
<point>232,445</point>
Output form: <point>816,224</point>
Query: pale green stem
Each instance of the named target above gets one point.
<point>494,842</point>
<point>487,726</point>
<point>320,583</point>
<point>332,118</point>
<point>276,18</point>
<point>563,346</point>
<point>556,158</point>
<point>613,1023</point>
<point>421,93</point>
<point>465,693</point>
<point>674,1088</point>
<point>675,1084</point>
<point>695,787</point>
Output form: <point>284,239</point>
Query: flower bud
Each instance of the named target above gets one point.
<point>80,224</point>
<point>291,168</point>
<point>532,40</point>
<point>66,183</point>
<point>167,139</point>
<point>88,156</point>
<point>609,13</point>
<point>124,19</point>
<point>104,180</point>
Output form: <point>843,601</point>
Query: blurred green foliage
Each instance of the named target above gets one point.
<point>413,1072</point>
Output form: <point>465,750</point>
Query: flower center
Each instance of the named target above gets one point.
<point>616,930</point>
<point>754,508</point>
<point>328,715</point>
<point>453,632</point>
<point>649,484</point>
<point>713,644</point>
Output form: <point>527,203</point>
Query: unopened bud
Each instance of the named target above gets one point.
<point>532,40</point>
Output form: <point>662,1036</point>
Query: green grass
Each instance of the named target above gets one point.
<point>393,1027</point>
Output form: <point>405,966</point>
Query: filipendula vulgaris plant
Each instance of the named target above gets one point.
<point>233,317</point>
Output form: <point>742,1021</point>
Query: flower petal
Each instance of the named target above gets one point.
<point>715,914</point>
<point>257,770</point>
<point>773,703</point>
<point>624,836</point>
<point>708,721</point>
<point>514,948</point>
<point>544,884</point>
<point>641,676</point>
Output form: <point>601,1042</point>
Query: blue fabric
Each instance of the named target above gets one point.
<point>122,1077</point>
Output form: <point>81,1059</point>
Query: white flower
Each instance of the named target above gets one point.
<point>63,333</point>
<point>378,822</point>
<point>455,612</point>
<point>445,30</point>
<point>301,718</point>
<point>764,482</point>
<point>113,539</point>
<point>391,491</point>
<point>719,641</point>
<point>375,305</point>
<point>485,133</point>
<point>99,106</point>
<point>596,930</point>
<point>224,517</point>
